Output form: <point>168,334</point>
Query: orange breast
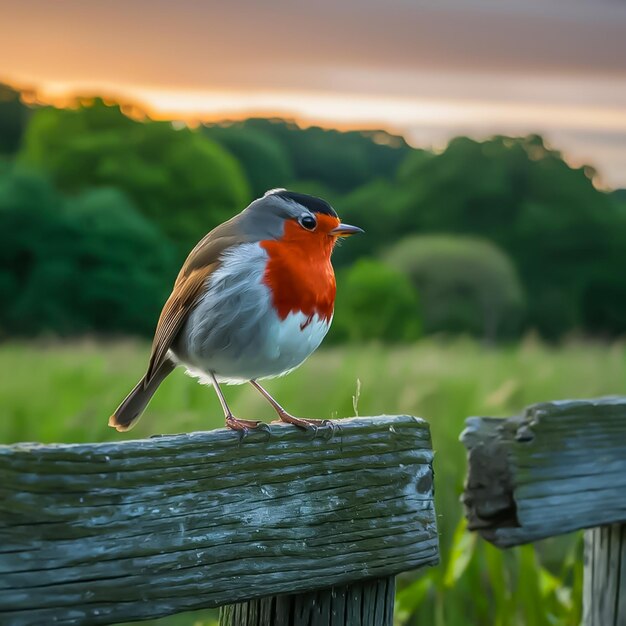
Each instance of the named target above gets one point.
<point>299,272</point>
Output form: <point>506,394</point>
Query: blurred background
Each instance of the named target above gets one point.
<point>480,144</point>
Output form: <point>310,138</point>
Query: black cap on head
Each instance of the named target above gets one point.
<point>312,203</point>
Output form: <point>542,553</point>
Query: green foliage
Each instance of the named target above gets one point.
<point>13,119</point>
<point>339,160</point>
<point>72,266</point>
<point>465,284</point>
<point>375,301</point>
<point>263,159</point>
<point>125,264</point>
<point>376,207</point>
<point>520,588</point>
<point>603,296</point>
<point>183,182</point>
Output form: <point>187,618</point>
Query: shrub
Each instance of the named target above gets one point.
<point>465,284</point>
<point>375,301</point>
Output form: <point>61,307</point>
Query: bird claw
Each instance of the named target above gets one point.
<point>266,429</point>
<point>311,429</point>
<point>312,426</point>
<point>243,427</point>
<point>332,427</point>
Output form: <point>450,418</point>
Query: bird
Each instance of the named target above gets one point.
<point>254,299</point>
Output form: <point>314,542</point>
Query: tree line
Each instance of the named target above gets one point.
<point>491,238</point>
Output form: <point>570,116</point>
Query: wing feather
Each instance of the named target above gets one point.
<point>183,298</point>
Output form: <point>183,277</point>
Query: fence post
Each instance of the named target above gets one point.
<point>366,603</point>
<point>604,598</point>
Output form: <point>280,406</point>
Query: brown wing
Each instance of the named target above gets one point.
<point>200,264</point>
<point>174,313</point>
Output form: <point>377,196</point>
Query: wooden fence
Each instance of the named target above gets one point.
<point>108,533</point>
<point>292,530</point>
<point>559,467</point>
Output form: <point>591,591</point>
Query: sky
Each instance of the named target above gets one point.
<point>428,69</point>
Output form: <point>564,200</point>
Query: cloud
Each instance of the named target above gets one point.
<point>300,45</point>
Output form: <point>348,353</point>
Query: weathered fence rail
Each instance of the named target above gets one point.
<point>104,533</point>
<point>561,466</point>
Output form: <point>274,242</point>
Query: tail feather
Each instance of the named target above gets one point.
<point>127,414</point>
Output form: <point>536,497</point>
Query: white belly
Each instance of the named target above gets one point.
<point>235,332</point>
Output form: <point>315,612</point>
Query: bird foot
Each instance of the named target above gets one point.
<point>245,426</point>
<point>310,425</point>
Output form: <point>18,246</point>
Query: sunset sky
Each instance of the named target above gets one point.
<point>428,69</point>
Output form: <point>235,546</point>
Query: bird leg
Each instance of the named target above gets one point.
<point>301,422</point>
<point>231,421</point>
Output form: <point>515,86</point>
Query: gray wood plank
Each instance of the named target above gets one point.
<point>103,533</point>
<point>559,467</point>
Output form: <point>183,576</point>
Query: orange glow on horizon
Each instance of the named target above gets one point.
<point>442,118</point>
<point>336,110</point>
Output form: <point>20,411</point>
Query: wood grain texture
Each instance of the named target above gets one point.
<point>604,598</point>
<point>103,533</point>
<point>366,603</point>
<point>559,467</point>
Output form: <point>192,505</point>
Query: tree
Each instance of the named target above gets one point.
<point>125,267</point>
<point>604,293</point>
<point>184,182</point>
<point>13,119</point>
<point>377,208</point>
<point>339,160</point>
<point>263,159</point>
<point>465,284</point>
<point>92,263</point>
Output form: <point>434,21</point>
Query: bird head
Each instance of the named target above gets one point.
<point>298,233</point>
<point>296,219</point>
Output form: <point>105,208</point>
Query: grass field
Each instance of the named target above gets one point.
<point>51,392</point>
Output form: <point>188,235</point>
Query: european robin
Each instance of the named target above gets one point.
<point>253,300</point>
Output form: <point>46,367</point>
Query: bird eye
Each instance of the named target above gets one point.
<point>308,221</point>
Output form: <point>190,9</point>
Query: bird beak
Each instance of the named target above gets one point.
<point>345,230</point>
